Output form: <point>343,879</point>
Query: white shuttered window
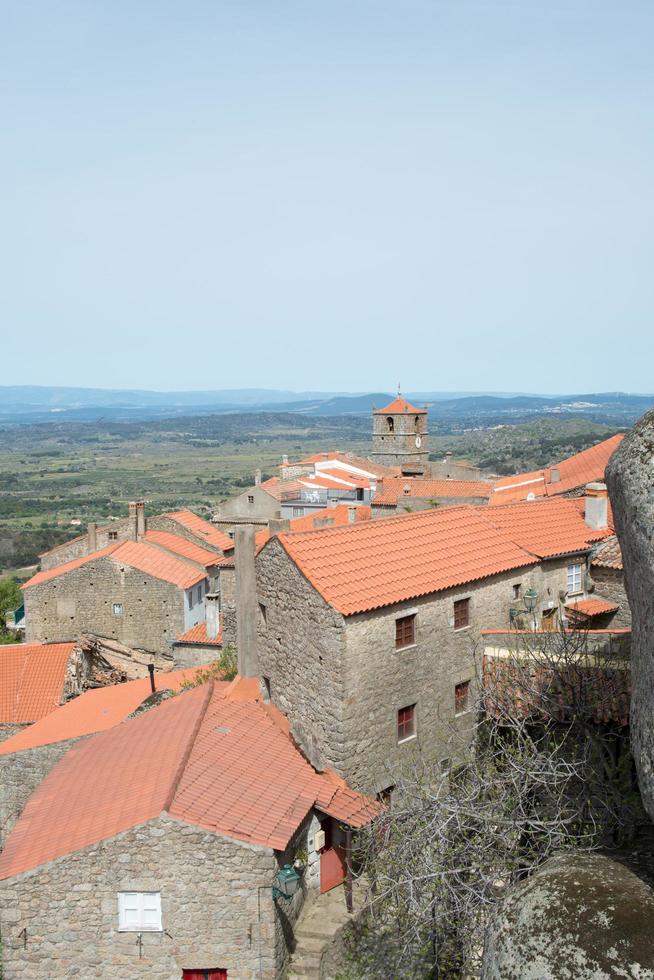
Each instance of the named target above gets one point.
<point>139,911</point>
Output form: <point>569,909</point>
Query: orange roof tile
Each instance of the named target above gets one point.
<point>281,489</point>
<point>212,761</point>
<point>365,465</point>
<point>400,406</point>
<point>585,467</point>
<point>592,607</point>
<point>574,472</point>
<point>394,489</point>
<point>93,711</point>
<point>198,634</point>
<point>608,555</point>
<point>545,528</point>
<point>198,526</point>
<point>337,517</point>
<point>137,554</point>
<point>377,563</point>
<point>32,677</point>
<point>182,547</point>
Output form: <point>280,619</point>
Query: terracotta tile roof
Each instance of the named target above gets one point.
<point>32,679</point>
<point>337,516</point>
<point>182,547</point>
<point>377,563</point>
<point>585,467</point>
<point>137,554</point>
<point>592,607</point>
<point>282,489</point>
<point>198,526</point>
<point>394,489</point>
<point>198,634</point>
<point>608,555</point>
<point>574,472</point>
<point>93,711</point>
<point>400,406</point>
<point>545,528</point>
<point>68,566</point>
<point>365,465</point>
<point>212,761</point>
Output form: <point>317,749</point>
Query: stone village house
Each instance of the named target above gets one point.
<point>369,634</point>
<point>152,849</point>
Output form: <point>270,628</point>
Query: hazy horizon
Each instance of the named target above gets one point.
<point>455,194</point>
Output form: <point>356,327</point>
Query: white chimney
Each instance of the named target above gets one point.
<point>212,614</point>
<point>555,476</point>
<point>257,477</point>
<point>351,515</point>
<point>597,506</point>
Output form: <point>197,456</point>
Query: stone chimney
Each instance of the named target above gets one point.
<point>246,602</point>
<point>597,506</point>
<point>212,614</point>
<point>92,538</point>
<point>137,514</point>
<point>277,524</point>
<point>555,476</point>
<point>257,478</point>
<point>351,515</point>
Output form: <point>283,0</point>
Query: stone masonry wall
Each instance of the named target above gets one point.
<point>301,652</point>
<point>79,547</point>
<point>194,655</point>
<point>609,584</point>
<point>228,606</point>
<point>20,774</point>
<point>341,681</point>
<point>217,909</point>
<point>82,601</point>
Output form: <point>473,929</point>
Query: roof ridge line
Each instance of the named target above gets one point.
<point>179,772</point>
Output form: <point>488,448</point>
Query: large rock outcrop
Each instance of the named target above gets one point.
<point>630,478</point>
<point>580,917</point>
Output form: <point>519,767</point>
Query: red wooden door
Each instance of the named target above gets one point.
<point>204,974</point>
<point>332,868</point>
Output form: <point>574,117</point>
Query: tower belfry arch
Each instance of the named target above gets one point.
<point>400,435</point>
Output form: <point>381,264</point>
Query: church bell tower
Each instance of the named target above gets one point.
<point>400,437</point>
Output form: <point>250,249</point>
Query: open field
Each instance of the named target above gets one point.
<point>56,477</point>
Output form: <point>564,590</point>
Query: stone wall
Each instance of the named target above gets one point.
<point>194,654</point>
<point>7,731</point>
<point>446,470</point>
<point>228,606</point>
<point>630,479</point>
<point>341,681</point>
<point>20,774</point>
<point>82,601</point>
<point>239,510</point>
<point>124,530</point>
<point>217,909</point>
<point>609,584</point>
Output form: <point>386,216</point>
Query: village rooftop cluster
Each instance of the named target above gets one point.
<point>155,825</point>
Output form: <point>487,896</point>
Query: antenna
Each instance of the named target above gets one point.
<point>399,390</point>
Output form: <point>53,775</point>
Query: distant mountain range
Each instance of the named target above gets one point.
<point>40,404</point>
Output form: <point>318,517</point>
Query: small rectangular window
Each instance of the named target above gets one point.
<point>517,589</point>
<point>250,498</point>
<point>118,609</point>
<point>266,688</point>
<point>298,512</point>
<point>189,598</point>
<point>263,613</point>
<point>406,723</point>
<point>574,579</point>
<point>405,632</point>
<point>461,613</point>
<point>139,911</point>
<point>113,535</point>
<point>199,593</point>
<point>461,697</point>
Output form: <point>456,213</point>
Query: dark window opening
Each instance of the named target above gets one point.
<point>406,722</point>
<point>461,613</point>
<point>113,535</point>
<point>385,796</point>
<point>461,697</point>
<point>391,424</point>
<point>405,632</point>
<point>250,499</point>
<point>266,688</point>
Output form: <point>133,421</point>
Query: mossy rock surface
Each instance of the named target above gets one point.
<point>581,917</point>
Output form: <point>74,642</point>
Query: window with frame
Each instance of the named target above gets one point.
<point>139,912</point>
<point>406,723</point>
<point>461,697</point>
<point>405,631</point>
<point>250,498</point>
<point>461,613</point>
<point>517,590</point>
<point>117,609</point>
<point>574,579</point>
<point>113,535</point>
<point>199,593</point>
<point>189,597</point>
<point>298,512</point>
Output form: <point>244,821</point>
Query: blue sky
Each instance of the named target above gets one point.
<point>333,195</point>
